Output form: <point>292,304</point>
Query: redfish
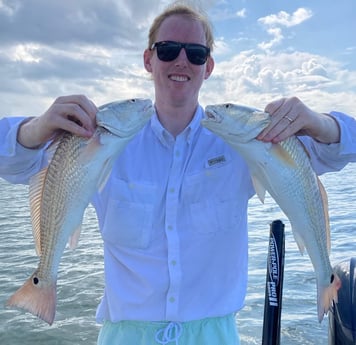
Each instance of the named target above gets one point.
<point>60,193</point>
<point>285,171</point>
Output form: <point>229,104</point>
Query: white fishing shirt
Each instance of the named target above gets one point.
<point>173,217</point>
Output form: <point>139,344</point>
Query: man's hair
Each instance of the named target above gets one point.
<point>184,9</point>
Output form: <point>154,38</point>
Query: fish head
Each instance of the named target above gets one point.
<point>235,122</point>
<point>125,118</point>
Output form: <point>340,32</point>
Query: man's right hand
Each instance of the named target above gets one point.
<point>75,114</point>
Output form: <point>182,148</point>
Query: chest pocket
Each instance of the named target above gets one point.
<point>129,215</point>
<point>214,205</point>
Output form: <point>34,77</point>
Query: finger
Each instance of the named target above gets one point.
<point>67,116</point>
<point>285,133</point>
<point>79,109</point>
<point>282,121</point>
<point>73,123</point>
<point>85,103</point>
<point>272,107</point>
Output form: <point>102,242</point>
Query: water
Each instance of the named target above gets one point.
<point>80,283</point>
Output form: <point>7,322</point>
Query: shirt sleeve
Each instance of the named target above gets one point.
<point>334,157</point>
<point>17,163</point>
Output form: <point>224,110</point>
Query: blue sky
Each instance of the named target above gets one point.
<point>264,50</point>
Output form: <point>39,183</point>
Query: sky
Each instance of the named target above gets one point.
<point>263,50</point>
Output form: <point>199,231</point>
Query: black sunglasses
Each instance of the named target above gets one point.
<point>197,54</point>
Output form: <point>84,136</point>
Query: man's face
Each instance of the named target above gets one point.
<point>178,81</point>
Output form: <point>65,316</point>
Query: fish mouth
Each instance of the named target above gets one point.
<point>211,114</point>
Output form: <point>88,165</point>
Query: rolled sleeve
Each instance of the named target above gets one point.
<point>18,163</point>
<point>334,157</point>
<point>347,146</point>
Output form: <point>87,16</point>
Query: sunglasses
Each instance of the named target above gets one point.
<point>197,54</point>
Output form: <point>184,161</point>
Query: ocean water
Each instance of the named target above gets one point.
<point>80,283</point>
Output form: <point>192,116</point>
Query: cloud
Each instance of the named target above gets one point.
<point>48,49</point>
<point>257,78</point>
<point>274,23</point>
<point>241,13</point>
<point>285,19</point>
<point>104,23</point>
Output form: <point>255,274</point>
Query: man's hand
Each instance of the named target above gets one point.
<point>75,114</point>
<point>291,116</point>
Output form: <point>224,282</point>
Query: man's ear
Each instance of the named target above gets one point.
<point>147,55</point>
<point>209,67</point>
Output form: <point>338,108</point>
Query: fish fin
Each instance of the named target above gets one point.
<point>326,295</point>
<point>299,241</point>
<point>38,300</point>
<point>105,173</point>
<point>259,189</point>
<point>35,196</point>
<point>74,238</point>
<point>324,198</point>
<point>283,154</point>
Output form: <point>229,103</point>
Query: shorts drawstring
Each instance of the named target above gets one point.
<point>169,333</point>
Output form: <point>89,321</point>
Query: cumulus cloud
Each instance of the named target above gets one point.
<point>256,79</point>
<point>50,48</point>
<point>285,19</point>
<point>274,23</point>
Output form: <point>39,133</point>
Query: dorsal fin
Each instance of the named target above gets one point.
<point>35,195</point>
<point>324,198</point>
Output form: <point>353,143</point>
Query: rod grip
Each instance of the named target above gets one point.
<point>274,285</point>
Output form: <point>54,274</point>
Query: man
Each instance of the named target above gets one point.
<point>173,214</point>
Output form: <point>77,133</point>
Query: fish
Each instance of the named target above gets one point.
<point>284,170</point>
<point>60,193</point>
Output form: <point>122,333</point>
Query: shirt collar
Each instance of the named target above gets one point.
<point>188,133</point>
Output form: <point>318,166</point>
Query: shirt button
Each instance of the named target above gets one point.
<point>171,190</point>
<point>172,299</point>
<point>170,227</point>
<point>177,153</point>
<point>173,262</point>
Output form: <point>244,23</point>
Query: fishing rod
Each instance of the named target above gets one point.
<point>274,285</point>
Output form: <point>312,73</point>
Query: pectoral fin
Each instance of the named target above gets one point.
<point>74,238</point>
<point>259,188</point>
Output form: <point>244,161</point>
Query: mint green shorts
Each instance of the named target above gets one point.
<point>210,331</point>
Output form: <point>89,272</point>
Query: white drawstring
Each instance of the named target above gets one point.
<point>169,333</point>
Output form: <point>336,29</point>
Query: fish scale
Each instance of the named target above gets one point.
<point>60,193</point>
<point>63,168</point>
<point>285,171</point>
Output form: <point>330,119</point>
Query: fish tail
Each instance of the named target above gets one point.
<point>326,296</point>
<point>37,298</point>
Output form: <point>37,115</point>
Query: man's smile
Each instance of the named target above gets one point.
<point>178,78</point>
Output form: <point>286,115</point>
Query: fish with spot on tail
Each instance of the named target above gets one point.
<point>60,193</point>
<point>285,171</point>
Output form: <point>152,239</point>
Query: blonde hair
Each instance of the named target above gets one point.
<point>186,10</point>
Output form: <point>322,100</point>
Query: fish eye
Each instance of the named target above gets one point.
<point>133,100</point>
<point>227,105</point>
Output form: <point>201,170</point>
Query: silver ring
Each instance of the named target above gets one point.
<point>288,118</point>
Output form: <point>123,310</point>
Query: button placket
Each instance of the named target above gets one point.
<point>172,200</point>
